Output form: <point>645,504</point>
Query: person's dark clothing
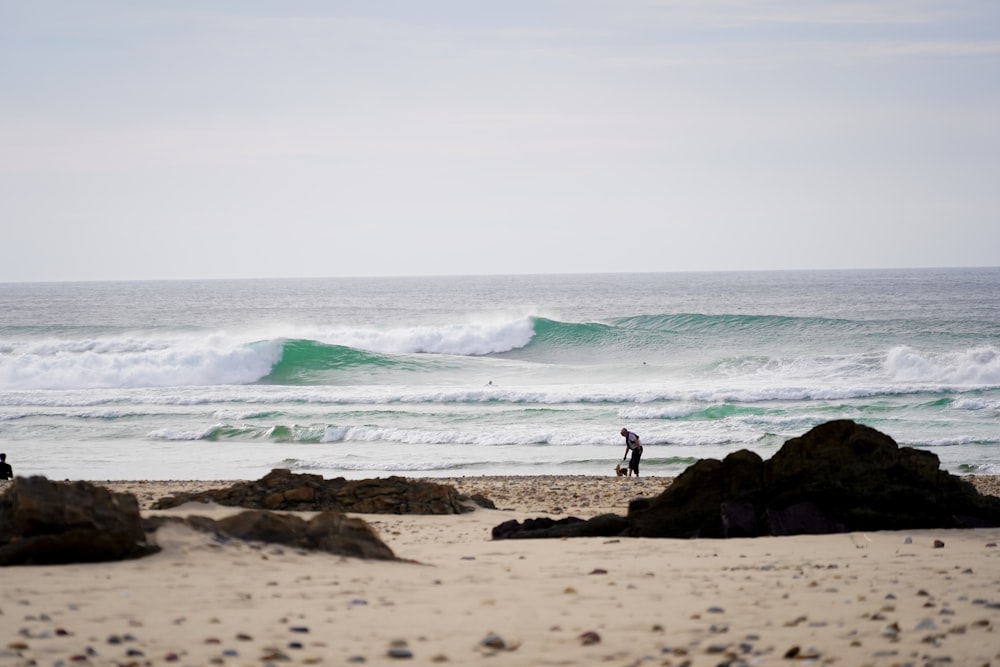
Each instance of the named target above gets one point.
<point>633,462</point>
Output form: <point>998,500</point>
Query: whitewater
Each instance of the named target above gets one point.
<point>522,375</point>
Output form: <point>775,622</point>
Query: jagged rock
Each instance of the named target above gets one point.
<point>44,522</point>
<point>838,477</point>
<point>328,531</point>
<point>283,490</point>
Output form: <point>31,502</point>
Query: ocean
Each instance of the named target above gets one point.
<point>492,375</point>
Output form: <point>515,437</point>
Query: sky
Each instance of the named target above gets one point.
<point>295,138</point>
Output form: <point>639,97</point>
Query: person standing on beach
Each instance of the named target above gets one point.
<point>6,472</point>
<point>633,445</point>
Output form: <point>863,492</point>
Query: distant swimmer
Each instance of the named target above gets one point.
<point>633,445</point>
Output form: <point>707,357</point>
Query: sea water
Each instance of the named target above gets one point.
<point>496,375</point>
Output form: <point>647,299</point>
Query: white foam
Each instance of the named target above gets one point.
<point>180,434</point>
<point>126,362</point>
<point>972,367</point>
<point>630,399</point>
<point>975,404</point>
<point>944,442</point>
<point>660,412</point>
<point>240,415</point>
<point>471,338</point>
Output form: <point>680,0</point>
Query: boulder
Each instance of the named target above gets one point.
<point>283,490</point>
<point>44,522</point>
<point>839,477</point>
<point>329,531</point>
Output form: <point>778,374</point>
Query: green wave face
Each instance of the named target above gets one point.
<point>656,327</point>
<point>556,340</point>
<point>306,362</point>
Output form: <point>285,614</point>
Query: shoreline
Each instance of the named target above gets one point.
<point>557,495</point>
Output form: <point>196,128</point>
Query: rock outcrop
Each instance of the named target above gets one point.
<point>329,531</point>
<point>283,490</point>
<point>839,477</point>
<point>44,522</point>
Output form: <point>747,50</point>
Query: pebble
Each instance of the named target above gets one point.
<point>938,544</point>
<point>299,629</point>
<point>493,641</point>
<point>589,638</point>
<point>890,631</point>
<point>400,652</point>
<point>273,654</point>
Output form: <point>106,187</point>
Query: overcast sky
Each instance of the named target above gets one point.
<point>244,138</point>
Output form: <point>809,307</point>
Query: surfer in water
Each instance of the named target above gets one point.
<point>633,445</point>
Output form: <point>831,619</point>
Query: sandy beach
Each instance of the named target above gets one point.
<point>885,598</point>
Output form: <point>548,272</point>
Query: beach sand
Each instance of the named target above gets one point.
<point>884,598</point>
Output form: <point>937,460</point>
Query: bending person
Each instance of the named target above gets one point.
<point>633,445</point>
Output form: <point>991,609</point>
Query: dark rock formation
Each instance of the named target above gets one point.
<point>283,490</point>
<point>328,531</point>
<point>605,525</point>
<point>838,477</point>
<point>43,522</point>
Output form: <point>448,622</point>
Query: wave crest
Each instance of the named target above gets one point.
<point>978,366</point>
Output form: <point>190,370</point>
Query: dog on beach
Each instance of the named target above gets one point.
<point>621,472</point>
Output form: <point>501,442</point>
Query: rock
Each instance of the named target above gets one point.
<point>839,477</point>
<point>530,527</point>
<point>328,531</point>
<point>44,522</point>
<point>605,525</point>
<point>284,490</point>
